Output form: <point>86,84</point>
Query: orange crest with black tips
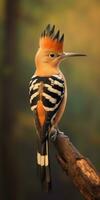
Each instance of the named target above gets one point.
<point>51,40</point>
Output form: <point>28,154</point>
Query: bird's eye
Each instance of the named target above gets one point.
<point>52,55</point>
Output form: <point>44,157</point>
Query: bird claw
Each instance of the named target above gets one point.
<point>54,133</point>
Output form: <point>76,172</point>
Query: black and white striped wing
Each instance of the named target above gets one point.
<point>53,92</point>
<point>34,92</point>
<point>52,98</point>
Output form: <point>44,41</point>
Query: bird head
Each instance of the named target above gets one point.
<point>50,52</point>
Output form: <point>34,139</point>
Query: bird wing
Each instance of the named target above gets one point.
<point>46,95</point>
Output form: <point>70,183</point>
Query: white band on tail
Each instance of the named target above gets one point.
<point>42,160</point>
<point>46,160</point>
<point>38,158</point>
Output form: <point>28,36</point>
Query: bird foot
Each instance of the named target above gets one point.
<point>54,133</point>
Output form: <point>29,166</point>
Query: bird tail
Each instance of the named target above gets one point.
<point>43,161</point>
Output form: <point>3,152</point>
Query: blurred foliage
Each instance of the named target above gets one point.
<point>80,22</point>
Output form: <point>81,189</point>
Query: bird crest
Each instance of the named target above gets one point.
<point>51,40</point>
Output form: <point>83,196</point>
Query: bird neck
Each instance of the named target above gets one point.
<point>47,70</point>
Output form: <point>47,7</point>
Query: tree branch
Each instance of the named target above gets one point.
<point>77,167</point>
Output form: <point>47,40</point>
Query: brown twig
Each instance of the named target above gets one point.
<point>80,169</point>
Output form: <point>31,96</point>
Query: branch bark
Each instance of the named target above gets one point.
<point>77,167</point>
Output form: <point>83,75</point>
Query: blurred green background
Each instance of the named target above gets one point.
<point>21,23</point>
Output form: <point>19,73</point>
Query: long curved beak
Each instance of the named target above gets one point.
<point>71,54</point>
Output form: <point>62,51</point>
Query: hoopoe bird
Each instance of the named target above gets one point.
<point>48,94</point>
